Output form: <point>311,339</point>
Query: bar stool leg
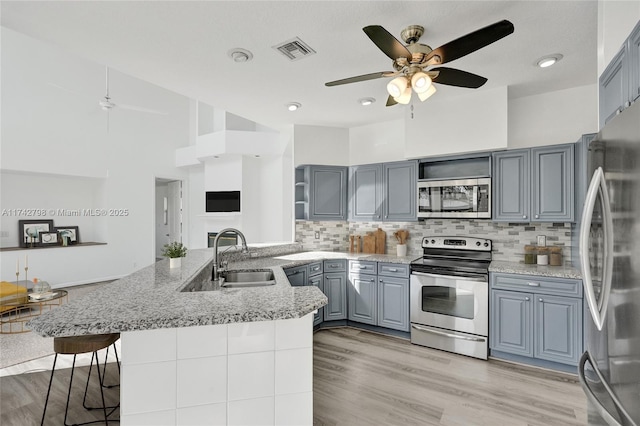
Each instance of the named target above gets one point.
<point>66,409</point>
<point>46,401</point>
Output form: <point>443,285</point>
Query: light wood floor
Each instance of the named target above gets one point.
<point>362,378</point>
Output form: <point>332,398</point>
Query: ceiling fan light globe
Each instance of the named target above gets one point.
<point>397,86</point>
<point>405,98</point>
<point>427,94</point>
<point>420,82</point>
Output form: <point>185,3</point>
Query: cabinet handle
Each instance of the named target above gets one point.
<point>333,266</point>
<point>386,216</point>
<point>524,216</point>
<point>537,216</point>
<point>381,280</point>
<point>316,269</point>
<point>393,270</point>
<point>378,216</point>
<point>540,300</point>
<point>533,284</point>
<point>372,280</point>
<point>527,299</point>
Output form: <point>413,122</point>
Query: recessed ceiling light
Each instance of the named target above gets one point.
<point>292,106</point>
<point>366,101</point>
<point>547,61</point>
<point>240,55</point>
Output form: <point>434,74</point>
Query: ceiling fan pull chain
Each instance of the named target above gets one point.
<point>412,111</point>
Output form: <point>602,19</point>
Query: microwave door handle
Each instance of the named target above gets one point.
<point>476,197</point>
<point>585,227</point>
<point>606,416</point>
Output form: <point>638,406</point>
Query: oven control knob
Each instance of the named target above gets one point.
<point>426,241</point>
<point>486,244</point>
<point>433,241</point>
<point>478,243</point>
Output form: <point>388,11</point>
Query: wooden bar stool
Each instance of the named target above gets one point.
<point>79,345</point>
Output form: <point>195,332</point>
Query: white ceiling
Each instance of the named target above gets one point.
<point>183,46</point>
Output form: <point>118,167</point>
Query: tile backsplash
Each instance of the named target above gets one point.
<point>508,239</point>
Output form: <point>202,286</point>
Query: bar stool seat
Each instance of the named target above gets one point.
<point>76,345</point>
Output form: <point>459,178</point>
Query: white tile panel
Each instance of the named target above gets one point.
<point>294,409</point>
<point>294,371</point>
<point>294,333</point>
<point>201,381</point>
<point>251,337</point>
<point>142,347</point>
<point>203,415</point>
<point>251,412</point>
<point>155,418</point>
<point>251,375</point>
<point>196,342</point>
<point>148,387</point>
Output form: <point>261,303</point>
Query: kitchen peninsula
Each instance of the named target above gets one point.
<point>233,356</point>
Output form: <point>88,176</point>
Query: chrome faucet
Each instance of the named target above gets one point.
<point>221,265</point>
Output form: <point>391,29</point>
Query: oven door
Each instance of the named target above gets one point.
<point>459,303</point>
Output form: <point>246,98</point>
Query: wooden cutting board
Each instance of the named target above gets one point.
<point>369,244</point>
<point>381,241</point>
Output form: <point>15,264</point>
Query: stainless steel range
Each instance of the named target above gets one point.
<point>450,295</point>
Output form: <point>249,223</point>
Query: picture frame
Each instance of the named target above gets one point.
<point>49,238</point>
<point>27,228</point>
<point>72,231</point>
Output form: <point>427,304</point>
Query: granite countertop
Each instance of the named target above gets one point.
<point>539,270</point>
<point>151,298</point>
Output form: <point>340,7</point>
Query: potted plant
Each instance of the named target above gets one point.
<point>175,251</point>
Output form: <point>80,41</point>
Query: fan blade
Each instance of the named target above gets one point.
<point>141,109</point>
<point>391,101</point>
<point>364,77</point>
<point>454,77</point>
<point>470,43</point>
<point>386,42</point>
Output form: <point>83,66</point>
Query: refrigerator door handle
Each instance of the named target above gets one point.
<point>602,411</point>
<point>598,308</point>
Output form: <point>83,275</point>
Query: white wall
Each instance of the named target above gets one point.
<point>553,118</point>
<point>321,145</point>
<point>51,123</point>
<point>616,19</point>
<point>450,125</point>
<point>377,142</point>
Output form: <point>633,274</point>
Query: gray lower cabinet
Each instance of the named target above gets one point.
<point>534,185</point>
<point>545,323</point>
<point>335,288</point>
<point>317,279</point>
<point>383,192</point>
<point>363,297</point>
<point>298,275</point>
<point>393,303</point>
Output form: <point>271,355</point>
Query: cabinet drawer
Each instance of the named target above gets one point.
<point>335,265</point>
<point>363,267</point>
<point>393,270</point>
<point>315,268</point>
<point>537,284</point>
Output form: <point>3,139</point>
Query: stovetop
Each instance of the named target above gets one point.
<point>454,256</point>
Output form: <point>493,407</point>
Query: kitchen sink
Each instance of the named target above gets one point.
<point>235,279</point>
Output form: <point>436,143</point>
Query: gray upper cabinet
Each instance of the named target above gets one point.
<point>534,185</point>
<point>321,193</point>
<point>512,182</point>
<point>619,84</point>
<point>614,87</point>
<point>365,192</point>
<point>400,191</point>
<point>553,183</point>
<point>383,191</point>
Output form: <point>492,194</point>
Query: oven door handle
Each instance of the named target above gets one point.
<point>450,335</point>
<point>463,278</point>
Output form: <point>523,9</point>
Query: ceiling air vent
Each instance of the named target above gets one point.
<point>294,49</point>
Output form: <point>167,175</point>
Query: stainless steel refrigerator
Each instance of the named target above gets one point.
<point>610,261</point>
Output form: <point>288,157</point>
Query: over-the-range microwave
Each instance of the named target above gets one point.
<point>463,198</point>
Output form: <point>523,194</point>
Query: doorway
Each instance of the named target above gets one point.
<point>168,213</point>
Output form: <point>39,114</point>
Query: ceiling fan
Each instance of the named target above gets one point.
<point>410,62</point>
<point>107,104</point>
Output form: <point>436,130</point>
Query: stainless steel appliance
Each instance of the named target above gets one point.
<point>463,198</point>
<point>450,295</point>
<point>610,261</point>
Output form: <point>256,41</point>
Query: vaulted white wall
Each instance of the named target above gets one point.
<point>53,130</point>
